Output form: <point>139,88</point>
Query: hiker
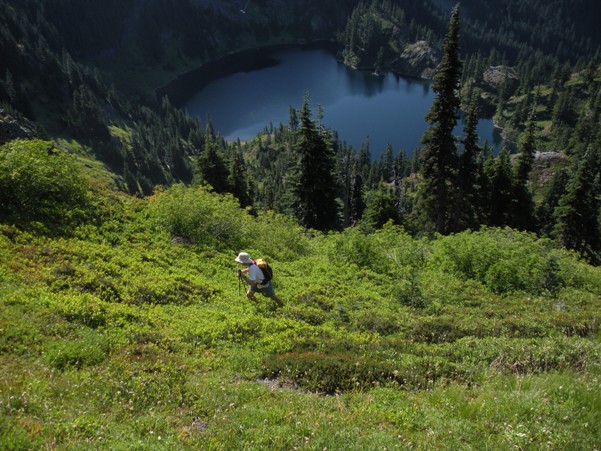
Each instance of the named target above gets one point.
<point>255,279</point>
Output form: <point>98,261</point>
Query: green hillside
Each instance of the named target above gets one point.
<point>123,326</point>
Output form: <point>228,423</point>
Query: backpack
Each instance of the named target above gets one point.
<point>267,271</point>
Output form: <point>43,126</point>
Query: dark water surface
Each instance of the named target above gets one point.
<point>359,105</point>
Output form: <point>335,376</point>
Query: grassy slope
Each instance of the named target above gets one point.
<point>116,338</point>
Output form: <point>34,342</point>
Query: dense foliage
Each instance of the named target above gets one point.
<point>130,330</point>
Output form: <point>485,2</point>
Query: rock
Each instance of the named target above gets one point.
<point>417,60</point>
<point>495,76</point>
<point>11,128</point>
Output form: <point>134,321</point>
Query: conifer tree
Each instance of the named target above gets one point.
<point>238,179</point>
<point>523,205</point>
<point>551,201</point>
<point>388,164</point>
<point>316,187</point>
<point>381,207</point>
<point>577,216</point>
<point>468,173</point>
<point>210,166</point>
<point>357,204</point>
<point>347,161</point>
<point>438,194</point>
<point>501,191</point>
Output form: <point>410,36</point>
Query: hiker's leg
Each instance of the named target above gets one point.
<point>250,295</point>
<point>277,300</point>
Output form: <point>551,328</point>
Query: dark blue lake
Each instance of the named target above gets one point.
<point>358,105</point>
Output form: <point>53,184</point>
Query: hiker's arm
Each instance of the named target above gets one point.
<point>246,279</point>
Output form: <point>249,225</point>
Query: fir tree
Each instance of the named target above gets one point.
<point>316,187</point>
<point>468,173</point>
<point>238,179</point>
<point>577,216</point>
<point>523,205</point>
<point>438,194</point>
<point>501,191</point>
<point>210,166</point>
<point>551,201</point>
<point>357,204</point>
<point>388,164</point>
<point>382,207</point>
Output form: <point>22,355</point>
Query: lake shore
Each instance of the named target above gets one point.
<point>187,84</point>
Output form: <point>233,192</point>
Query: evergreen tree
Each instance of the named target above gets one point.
<point>292,118</point>
<point>357,204</point>
<point>347,163</point>
<point>388,164</point>
<point>468,173</point>
<point>382,207</point>
<point>210,165</point>
<point>523,205</point>
<point>364,163</point>
<point>501,191</point>
<point>238,179</point>
<point>437,201</point>
<point>551,201</point>
<point>577,216</point>
<point>315,188</point>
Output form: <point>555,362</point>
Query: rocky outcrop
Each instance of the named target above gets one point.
<point>494,77</point>
<point>417,60</point>
<point>11,128</point>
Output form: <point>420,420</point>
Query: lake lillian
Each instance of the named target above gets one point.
<point>357,104</point>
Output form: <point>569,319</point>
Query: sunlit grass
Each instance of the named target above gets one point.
<point>117,338</point>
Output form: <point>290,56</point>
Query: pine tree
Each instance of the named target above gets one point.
<point>551,201</point>
<point>468,173</point>
<point>577,216</point>
<point>388,164</point>
<point>316,187</point>
<point>357,204</point>
<point>523,205</point>
<point>501,191</point>
<point>210,166</point>
<point>238,180</point>
<point>438,194</point>
<point>382,207</point>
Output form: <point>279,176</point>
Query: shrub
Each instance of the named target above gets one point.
<point>279,237</point>
<point>505,260</point>
<point>83,309</point>
<point>329,373</point>
<point>201,217</point>
<point>143,376</point>
<point>89,350</point>
<point>343,371</point>
<point>383,322</point>
<point>40,187</point>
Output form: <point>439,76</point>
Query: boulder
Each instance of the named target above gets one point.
<point>494,77</point>
<point>417,60</point>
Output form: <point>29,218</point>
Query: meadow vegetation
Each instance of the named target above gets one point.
<point>123,326</point>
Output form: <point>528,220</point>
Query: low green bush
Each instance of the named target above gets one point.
<point>138,377</point>
<point>83,309</point>
<point>201,217</point>
<point>41,188</point>
<point>91,349</point>
<point>329,373</point>
<point>505,260</point>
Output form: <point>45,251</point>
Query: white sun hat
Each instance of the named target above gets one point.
<point>243,258</point>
